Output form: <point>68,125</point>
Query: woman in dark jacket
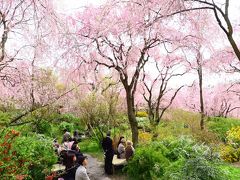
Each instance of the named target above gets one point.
<point>71,166</point>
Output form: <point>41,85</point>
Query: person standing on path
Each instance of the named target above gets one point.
<point>107,145</point>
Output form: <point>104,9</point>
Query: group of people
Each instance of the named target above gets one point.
<point>71,157</point>
<point>124,151</point>
<point>75,162</point>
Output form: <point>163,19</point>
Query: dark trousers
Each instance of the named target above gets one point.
<point>108,162</point>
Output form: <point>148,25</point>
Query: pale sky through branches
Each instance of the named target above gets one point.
<point>71,6</point>
<point>68,6</point>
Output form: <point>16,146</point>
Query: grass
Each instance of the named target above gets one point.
<point>91,146</point>
<point>177,122</point>
<point>220,125</point>
<point>232,172</point>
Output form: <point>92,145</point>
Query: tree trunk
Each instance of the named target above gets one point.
<point>201,97</point>
<point>234,46</point>
<point>151,116</point>
<point>132,118</point>
<point>157,117</point>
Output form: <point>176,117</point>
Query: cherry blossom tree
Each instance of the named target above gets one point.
<point>26,27</point>
<point>121,36</point>
<point>222,16</point>
<point>28,31</point>
<point>157,93</point>
<point>196,48</point>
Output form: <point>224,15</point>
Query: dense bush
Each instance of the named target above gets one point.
<point>202,169</point>
<point>70,119</point>
<point>174,159</point>
<point>9,161</point>
<point>230,154</point>
<point>148,163</point>
<point>38,152</point>
<point>233,136</point>
<point>33,153</point>
<point>231,151</point>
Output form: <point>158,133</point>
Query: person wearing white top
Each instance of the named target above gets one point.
<point>81,173</point>
<point>121,149</point>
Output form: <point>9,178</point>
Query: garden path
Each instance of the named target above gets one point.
<point>95,170</point>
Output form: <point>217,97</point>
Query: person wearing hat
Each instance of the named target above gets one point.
<point>129,150</point>
<point>81,173</point>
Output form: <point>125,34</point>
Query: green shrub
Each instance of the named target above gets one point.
<point>187,148</point>
<point>147,163</point>
<point>69,118</point>
<point>31,155</point>
<point>66,125</point>
<point>174,170</point>
<point>43,127</point>
<point>170,159</point>
<point>202,169</point>
<point>38,152</point>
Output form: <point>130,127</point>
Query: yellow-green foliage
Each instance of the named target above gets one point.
<point>141,114</point>
<point>144,137</point>
<point>231,151</point>
<point>233,136</point>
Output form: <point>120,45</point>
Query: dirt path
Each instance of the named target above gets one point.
<point>236,164</point>
<point>95,170</point>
